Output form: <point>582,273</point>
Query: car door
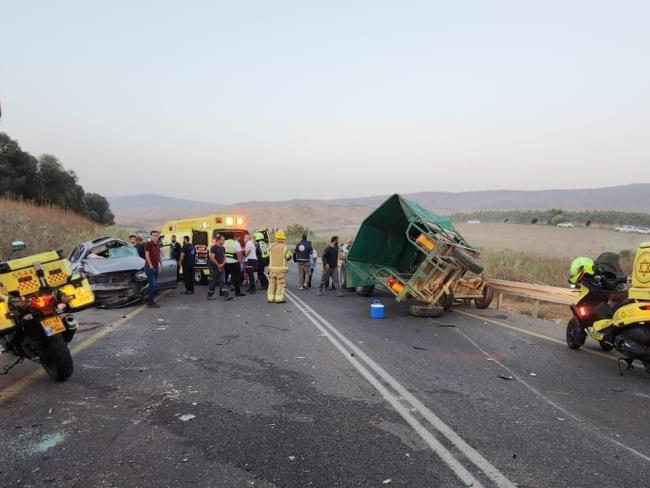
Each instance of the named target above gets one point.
<point>168,276</point>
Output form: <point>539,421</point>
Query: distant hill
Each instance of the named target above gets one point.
<point>150,210</point>
<point>153,210</point>
<point>626,198</point>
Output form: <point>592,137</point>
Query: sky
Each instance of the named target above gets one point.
<point>272,100</point>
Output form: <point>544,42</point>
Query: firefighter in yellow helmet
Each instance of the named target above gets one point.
<point>279,256</point>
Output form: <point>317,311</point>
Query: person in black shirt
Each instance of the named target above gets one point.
<point>187,260</point>
<point>139,246</point>
<point>217,264</point>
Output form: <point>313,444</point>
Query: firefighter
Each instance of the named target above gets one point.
<point>234,257</point>
<point>262,248</point>
<point>279,256</point>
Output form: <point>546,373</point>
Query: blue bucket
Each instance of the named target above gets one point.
<point>376,309</point>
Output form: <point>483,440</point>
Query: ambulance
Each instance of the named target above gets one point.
<point>201,231</point>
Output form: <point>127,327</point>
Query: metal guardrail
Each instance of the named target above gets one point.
<point>538,293</point>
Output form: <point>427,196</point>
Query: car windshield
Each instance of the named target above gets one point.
<point>122,252</point>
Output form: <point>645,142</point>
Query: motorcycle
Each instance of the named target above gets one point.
<point>36,292</point>
<point>618,319</point>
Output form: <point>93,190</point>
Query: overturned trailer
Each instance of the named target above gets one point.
<point>416,255</point>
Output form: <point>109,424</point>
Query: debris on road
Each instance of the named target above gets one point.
<point>507,378</point>
<point>187,417</point>
<point>292,458</point>
<point>560,419</point>
<point>533,374</point>
<point>420,348</point>
<point>386,482</point>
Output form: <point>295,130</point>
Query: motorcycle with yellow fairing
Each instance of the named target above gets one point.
<point>619,316</point>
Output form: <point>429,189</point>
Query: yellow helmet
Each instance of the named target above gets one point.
<point>280,236</point>
<point>579,267</point>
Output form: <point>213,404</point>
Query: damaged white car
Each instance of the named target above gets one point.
<point>116,272</point>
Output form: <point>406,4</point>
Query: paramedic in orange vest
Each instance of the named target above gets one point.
<point>279,256</point>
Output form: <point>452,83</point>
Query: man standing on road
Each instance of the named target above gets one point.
<point>345,250</point>
<point>262,249</point>
<point>313,262</point>
<point>279,256</point>
<point>330,263</point>
<point>217,265</point>
<point>175,253</point>
<point>250,256</point>
<point>302,256</point>
<point>153,266</point>
<point>234,258</point>
<point>187,260</point>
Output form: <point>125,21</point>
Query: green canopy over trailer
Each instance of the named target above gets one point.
<point>411,251</point>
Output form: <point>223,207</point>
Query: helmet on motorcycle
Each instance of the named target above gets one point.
<point>579,267</point>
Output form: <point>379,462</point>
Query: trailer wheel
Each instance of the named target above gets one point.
<point>430,311</point>
<point>448,301</point>
<point>365,291</point>
<point>488,295</point>
<point>468,260</point>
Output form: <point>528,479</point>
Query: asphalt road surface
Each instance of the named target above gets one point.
<point>314,393</point>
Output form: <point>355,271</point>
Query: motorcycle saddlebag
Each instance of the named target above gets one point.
<point>6,323</point>
<point>21,275</point>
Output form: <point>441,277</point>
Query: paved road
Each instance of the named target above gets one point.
<point>313,393</point>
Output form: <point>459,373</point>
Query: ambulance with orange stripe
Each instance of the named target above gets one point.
<point>201,231</point>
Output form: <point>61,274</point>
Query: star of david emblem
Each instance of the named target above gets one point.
<point>644,267</point>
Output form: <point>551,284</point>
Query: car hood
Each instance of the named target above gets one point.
<point>101,266</point>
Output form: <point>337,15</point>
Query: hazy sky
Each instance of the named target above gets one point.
<point>330,99</point>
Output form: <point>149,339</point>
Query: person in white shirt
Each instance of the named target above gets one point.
<point>250,262</point>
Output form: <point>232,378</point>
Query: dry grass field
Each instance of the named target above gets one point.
<point>546,240</point>
<point>45,228</point>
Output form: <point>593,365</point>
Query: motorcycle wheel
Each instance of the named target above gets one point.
<point>56,358</point>
<point>575,334</point>
<point>605,346</point>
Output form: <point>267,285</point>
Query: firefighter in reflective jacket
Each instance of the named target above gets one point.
<point>279,256</point>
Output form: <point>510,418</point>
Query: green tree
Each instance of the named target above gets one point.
<point>295,231</point>
<point>97,208</point>
<point>18,170</point>
<point>57,186</point>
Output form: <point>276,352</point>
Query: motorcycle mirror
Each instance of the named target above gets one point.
<point>17,246</point>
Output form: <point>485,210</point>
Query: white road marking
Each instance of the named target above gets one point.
<point>551,402</point>
<point>355,355</point>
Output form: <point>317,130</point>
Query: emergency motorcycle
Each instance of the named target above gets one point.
<point>612,308</point>
<point>36,295</point>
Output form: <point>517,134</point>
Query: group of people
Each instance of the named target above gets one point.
<point>227,261</point>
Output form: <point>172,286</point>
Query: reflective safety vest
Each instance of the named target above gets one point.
<point>231,255</point>
<point>279,254</point>
<point>264,249</point>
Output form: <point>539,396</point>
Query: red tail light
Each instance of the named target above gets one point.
<point>583,311</point>
<point>42,302</point>
<point>646,308</point>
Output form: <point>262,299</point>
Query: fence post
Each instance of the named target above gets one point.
<point>535,313</point>
<point>499,301</point>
